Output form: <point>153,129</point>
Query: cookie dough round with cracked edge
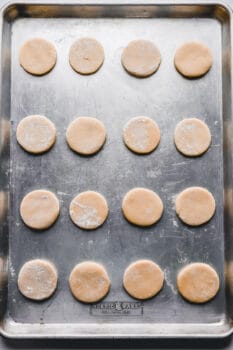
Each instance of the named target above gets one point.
<point>193,59</point>
<point>142,207</point>
<point>198,282</point>
<point>195,206</point>
<point>37,279</point>
<point>89,210</point>
<point>89,282</point>
<point>141,135</point>
<point>37,56</point>
<point>39,209</point>
<point>141,58</point>
<point>143,279</point>
<point>86,135</point>
<point>86,56</point>
<point>36,134</point>
<point>192,137</point>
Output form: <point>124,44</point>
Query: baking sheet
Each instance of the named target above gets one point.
<point>114,97</point>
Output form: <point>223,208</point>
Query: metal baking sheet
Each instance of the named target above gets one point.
<point>114,97</point>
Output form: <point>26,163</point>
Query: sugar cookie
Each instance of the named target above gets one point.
<point>198,282</point>
<point>192,137</point>
<point>142,207</point>
<point>37,56</point>
<point>86,135</point>
<point>141,135</point>
<point>143,279</point>
<point>89,282</point>
<point>86,55</point>
<point>88,210</point>
<point>36,134</point>
<point>141,58</point>
<point>39,209</point>
<point>37,279</point>
<point>193,59</point>
<point>195,206</point>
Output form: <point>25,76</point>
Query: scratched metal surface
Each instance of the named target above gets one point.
<point>114,97</point>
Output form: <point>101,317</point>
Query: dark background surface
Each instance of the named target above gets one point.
<point>225,344</point>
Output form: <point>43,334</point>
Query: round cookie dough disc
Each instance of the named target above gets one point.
<point>141,135</point>
<point>86,135</point>
<point>193,59</point>
<point>192,137</point>
<point>89,282</point>
<point>38,56</point>
<point>142,207</point>
<point>39,209</point>
<point>143,279</point>
<point>86,55</point>
<point>37,279</point>
<point>198,282</point>
<point>88,210</point>
<point>195,206</point>
<point>141,58</point>
<point>36,134</point>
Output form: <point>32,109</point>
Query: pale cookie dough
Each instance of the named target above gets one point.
<point>37,56</point>
<point>143,279</point>
<point>142,207</point>
<point>86,55</point>
<point>89,210</point>
<point>141,135</point>
<point>86,135</point>
<point>39,209</point>
<point>89,282</point>
<point>195,206</point>
<point>36,134</point>
<point>193,59</point>
<point>192,137</point>
<point>141,58</point>
<point>3,205</point>
<point>5,131</point>
<point>37,279</point>
<point>198,282</point>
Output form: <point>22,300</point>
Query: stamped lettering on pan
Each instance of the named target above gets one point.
<point>117,308</point>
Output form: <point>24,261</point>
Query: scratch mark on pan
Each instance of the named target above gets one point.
<point>45,309</point>
<point>168,281</point>
<point>21,105</point>
<point>181,163</point>
<point>63,193</point>
<point>172,236</point>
